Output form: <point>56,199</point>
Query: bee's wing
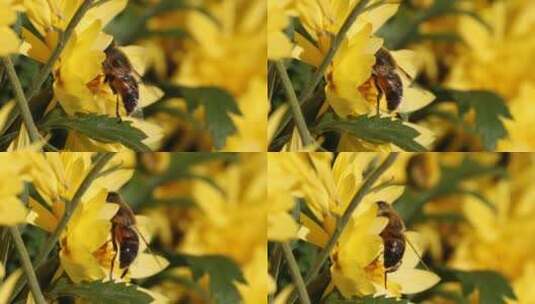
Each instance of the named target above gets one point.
<point>137,113</point>
<point>144,240</point>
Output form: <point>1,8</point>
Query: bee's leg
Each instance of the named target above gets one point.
<point>379,96</point>
<point>124,272</point>
<point>385,280</point>
<point>117,108</point>
<point>115,249</point>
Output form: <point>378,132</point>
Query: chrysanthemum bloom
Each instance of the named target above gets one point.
<point>357,267</point>
<point>85,245</point>
<point>78,74</point>
<point>9,42</point>
<point>496,238</point>
<point>350,89</point>
<point>14,173</point>
<point>236,215</point>
<point>496,61</point>
<point>239,32</point>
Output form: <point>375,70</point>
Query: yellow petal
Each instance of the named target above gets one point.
<point>414,280</point>
<point>146,265</point>
<point>4,113</point>
<point>7,286</point>
<point>9,42</point>
<point>41,217</point>
<point>316,234</point>
<point>282,226</point>
<point>12,211</point>
<point>149,94</point>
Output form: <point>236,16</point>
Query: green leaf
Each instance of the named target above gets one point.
<point>489,109</point>
<point>218,105</point>
<point>377,130</point>
<point>223,273</point>
<point>98,292</point>
<point>492,286</point>
<point>98,127</point>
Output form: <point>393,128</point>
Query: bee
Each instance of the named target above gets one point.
<point>387,80</point>
<point>120,75</point>
<point>125,236</point>
<point>394,240</point>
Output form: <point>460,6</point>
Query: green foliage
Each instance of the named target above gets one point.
<point>489,110</point>
<point>451,177</point>
<point>218,105</point>
<point>377,130</point>
<point>99,292</point>
<point>493,287</point>
<point>98,127</point>
<point>404,28</point>
<point>223,273</point>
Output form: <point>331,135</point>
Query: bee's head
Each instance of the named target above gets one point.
<point>383,205</point>
<point>113,197</point>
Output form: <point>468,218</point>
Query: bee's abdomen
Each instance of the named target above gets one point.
<point>395,93</point>
<point>128,247</point>
<point>394,248</point>
<point>130,95</point>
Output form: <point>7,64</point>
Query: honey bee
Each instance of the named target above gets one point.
<point>124,235</point>
<point>394,239</point>
<point>387,80</point>
<point>120,75</point>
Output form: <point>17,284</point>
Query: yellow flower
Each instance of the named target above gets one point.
<point>350,88</point>
<point>281,225</point>
<point>495,238</point>
<point>86,250</point>
<point>9,42</point>
<point>7,285</point>
<point>327,188</point>
<point>57,176</point>
<point>520,138</point>
<point>14,173</point>
<point>496,61</point>
<point>252,124</point>
<point>87,231</point>
<point>79,81</point>
<point>239,33</point>
<point>221,218</point>
<point>279,45</point>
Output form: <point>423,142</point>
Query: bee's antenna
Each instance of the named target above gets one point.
<point>417,254</point>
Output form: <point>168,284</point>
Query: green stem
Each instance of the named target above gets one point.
<point>310,87</point>
<point>21,100</point>
<point>27,266</point>
<point>294,106</point>
<point>294,272</point>
<point>100,162</point>
<point>344,220</point>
